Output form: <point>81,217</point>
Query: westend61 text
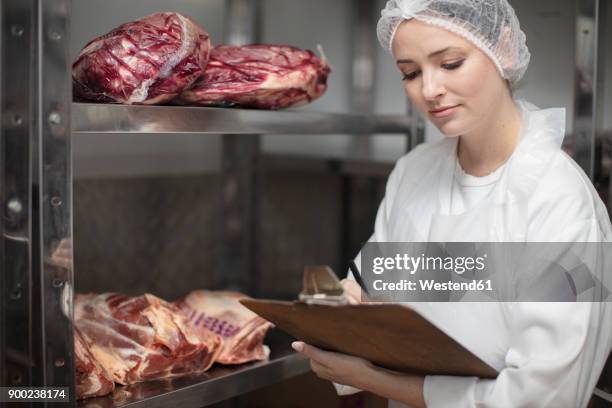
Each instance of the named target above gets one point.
<point>430,284</point>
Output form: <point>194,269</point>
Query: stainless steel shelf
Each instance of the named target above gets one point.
<point>218,384</point>
<point>109,118</point>
<point>365,166</point>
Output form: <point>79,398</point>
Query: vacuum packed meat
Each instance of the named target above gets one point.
<point>143,338</point>
<point>91,378</point>
<point>146,61</point>
<point>220,312</point>
<point>259,76</point>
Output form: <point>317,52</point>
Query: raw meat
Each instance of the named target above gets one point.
<point>259,76</point>
<point>91,378</point>
<point>220,312</point>
<point>147,61</point>
<point>143,338</point>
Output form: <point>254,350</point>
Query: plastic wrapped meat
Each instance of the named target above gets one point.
<point>259,76</point>
<point>143,338</point>
<point>243,331</point>
<point>91,378</point>
<point>147,61</point>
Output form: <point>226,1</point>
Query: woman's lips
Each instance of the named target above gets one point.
<point>444,113</point>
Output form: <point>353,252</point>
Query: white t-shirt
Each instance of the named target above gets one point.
<point>468,190</point>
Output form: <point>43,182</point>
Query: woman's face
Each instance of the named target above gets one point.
<point>442,70</point>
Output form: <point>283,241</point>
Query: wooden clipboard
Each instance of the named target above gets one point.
<point>389,335</point>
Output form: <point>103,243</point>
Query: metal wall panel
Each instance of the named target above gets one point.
<point>298,224</point>
<point>147,235</point>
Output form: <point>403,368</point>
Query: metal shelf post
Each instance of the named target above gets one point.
<point>36,193</point>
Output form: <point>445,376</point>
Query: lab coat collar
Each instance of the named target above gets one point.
<point>541,136</point>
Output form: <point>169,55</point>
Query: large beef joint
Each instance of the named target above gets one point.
<point>220,312</point>
<point>143,338</point>
<point>147,61</point>
<point>259,76</point>
<point>91,378</point>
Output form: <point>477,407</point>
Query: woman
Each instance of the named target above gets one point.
<point>499,175</point>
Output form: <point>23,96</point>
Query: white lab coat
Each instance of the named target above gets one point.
<point>548,354</point>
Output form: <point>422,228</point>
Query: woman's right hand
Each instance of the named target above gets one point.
<point>352,291</point>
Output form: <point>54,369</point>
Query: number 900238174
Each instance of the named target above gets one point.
<point>34,394</point>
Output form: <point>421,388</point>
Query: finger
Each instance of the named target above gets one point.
<point>326,358</point>
<point>298,346</point>
<point>306,349</point>
<point>320,369</point>
<point>352,291</point>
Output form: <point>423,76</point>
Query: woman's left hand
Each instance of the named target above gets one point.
<point>336,367</point>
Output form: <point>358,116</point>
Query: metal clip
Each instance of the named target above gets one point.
<point>321,286</point>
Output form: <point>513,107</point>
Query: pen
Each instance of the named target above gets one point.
<point>357,276</point>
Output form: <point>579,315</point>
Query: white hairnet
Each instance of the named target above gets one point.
<point>491,25</point>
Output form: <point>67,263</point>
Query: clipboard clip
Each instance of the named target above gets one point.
<point>321,286</point>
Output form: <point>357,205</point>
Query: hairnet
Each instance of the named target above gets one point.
<point>491,25</point>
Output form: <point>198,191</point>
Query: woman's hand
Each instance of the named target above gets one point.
<point>359,373</point>
<point>352,291</point>
<point>336,367</point>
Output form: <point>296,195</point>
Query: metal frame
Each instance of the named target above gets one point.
<point>52,184</point>
<point>3,297</point>
<point>363,72</point>
<point>416,135</point>
<point>16,197</point>
<point>601,173</point>
<point>238,163</point>
<point>585,96</point>
<point>36,193</point>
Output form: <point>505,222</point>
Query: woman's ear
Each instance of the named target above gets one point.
<point>506,48</point>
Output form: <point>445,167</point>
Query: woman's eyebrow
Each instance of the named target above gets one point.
<point>433,54</point>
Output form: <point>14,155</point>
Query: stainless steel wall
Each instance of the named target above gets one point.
<point>160,234</point>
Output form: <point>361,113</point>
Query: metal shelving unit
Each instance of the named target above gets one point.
<point>38,122</point>
<point>217,384</point>
<point>100,118</point>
